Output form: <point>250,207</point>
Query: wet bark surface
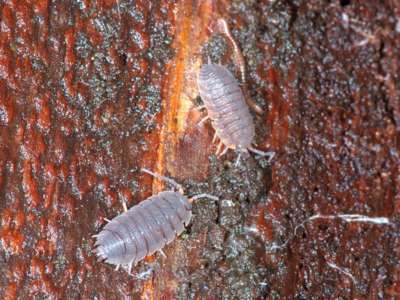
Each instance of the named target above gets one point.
<point>92,91</point>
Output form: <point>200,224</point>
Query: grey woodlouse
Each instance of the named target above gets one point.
<point>146,227</point>
<point>227,109</point>
<point>226,104</point>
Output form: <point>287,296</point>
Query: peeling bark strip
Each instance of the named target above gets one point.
<point>178,149</point>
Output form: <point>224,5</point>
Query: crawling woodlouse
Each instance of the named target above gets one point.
<point>227,109</point>
<point>145,228</point>
<point>226,105</point>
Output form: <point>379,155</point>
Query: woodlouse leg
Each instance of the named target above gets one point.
<point>117,267</point>
<point>224,152</point>
<point>107,220</point>
<point>218,148</point>
<point>214,138</point>
<point>124,206</point>
<point>162,253</point>
<point>271,154</point>
<point>200,107</point>
<point>100,258</point>
<point>130,267</point>
<point>169,180</point>
<point>203,120</point>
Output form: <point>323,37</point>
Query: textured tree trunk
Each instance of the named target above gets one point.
<point>92,91</point>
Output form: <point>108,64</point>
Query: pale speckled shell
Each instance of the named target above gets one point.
<point>226,106</point>
<point>144,229</point>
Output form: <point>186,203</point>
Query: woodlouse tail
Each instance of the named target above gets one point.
<point>203,196</point>
<point>238,159</point>
<point>270,154</point>
<point>99,253</point>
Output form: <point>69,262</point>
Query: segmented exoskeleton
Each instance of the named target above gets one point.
<point>145,228</point>
<point>226,104</point>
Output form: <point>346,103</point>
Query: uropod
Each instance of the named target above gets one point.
<point>146,227</point>
<point>226,104</point>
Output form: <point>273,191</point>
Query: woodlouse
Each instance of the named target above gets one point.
<point>226,104</point>
<point>227,109</point>
<point>145,228</point>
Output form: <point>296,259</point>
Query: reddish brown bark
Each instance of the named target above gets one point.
<point>91,91</point>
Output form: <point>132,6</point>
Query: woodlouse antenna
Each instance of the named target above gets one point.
<point>224,29</point>
<point>203,196</point>
<point>169,180</point>
<point>222,26</point>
